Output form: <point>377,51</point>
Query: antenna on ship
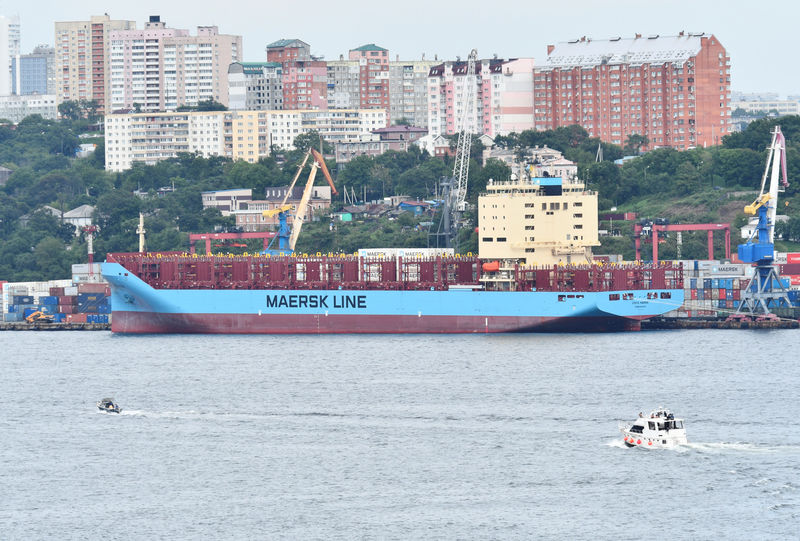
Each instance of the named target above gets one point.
<point>140,231</point>
<point>90,231</point>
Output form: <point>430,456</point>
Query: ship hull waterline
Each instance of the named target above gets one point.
<point>153,323</point>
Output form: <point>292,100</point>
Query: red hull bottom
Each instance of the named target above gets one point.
<point>151,322</point>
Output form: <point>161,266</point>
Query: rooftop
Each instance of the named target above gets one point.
<point>286,43</point>
<point>655,49</point>
<point>370,47</point>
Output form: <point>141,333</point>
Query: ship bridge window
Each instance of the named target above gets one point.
<point>501,239</point>
<point>613,296</point>
<point>637,428</point>
<point>651,425</point>
<point>627,296</point>
<point>666,295</point>
<point>562,298</point>
<point>487,239</point>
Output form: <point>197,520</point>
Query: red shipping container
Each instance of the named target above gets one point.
<point>56,291</point>
<point>68,299</point>
<point>76,318</point>
<point>108,292</point>
<point>794,279</point>
<point>694,294</point>
<point>92,288</point>
<point>67,308</point>
<point>793,258</point>
<point>736,294</point>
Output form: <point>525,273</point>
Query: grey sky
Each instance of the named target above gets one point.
<point>762,38</point>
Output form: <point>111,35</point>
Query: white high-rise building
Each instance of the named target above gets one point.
<point>9,48</point>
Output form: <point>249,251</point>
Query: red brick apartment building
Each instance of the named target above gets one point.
<point>675,90</point>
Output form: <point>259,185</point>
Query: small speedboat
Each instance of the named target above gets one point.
<point>659,430</point>
<point>108,405</point>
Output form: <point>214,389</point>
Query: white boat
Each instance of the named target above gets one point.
<point>660,430</point>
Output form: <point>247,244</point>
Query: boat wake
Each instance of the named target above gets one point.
<point>738,447</point>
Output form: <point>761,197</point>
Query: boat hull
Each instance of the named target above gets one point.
<point>139,308</point>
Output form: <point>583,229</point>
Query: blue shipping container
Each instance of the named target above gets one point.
<point>12,308</point>
<point>693,283</point>
<point>715,283</point>
<point>49,309</point>
<point>59,318</point>
<point>29,311</point>
<point>707,283</point>
<point>48,300</point>
<point>23,299</point>
<point>104,309</point>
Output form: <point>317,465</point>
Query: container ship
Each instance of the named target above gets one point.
<point>534,272</point>
<point>155,293</point>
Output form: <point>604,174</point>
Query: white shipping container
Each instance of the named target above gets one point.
<point>83,268</point>
<point>71,290</point>
<point>88,278</point>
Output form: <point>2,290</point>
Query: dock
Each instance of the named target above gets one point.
<point>696,323</point>
<point>72,326</point>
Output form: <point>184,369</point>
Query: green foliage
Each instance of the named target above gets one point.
<point>204,105</point>
<point>310,139</point>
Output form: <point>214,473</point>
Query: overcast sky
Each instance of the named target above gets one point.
<point>762,38</point>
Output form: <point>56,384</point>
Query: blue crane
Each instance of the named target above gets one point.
<point>765,291</point>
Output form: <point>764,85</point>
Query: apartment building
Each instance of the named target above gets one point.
<point>9,48</point>
<point>255,86</point>
<point>82,63</point>
<point>151,137</point>
<point>373,64</point>
<point>34,73</point>
<point>344,84</point>
<point>408,90</point>
<point>160,69</point>
<point>15,108</point>
<point>239,135</point>
<point>782,107</point>
<point>674,90</point>
<point>304,77</point>
<point>501,90</point>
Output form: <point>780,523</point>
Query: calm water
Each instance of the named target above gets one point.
<point>397,437</point>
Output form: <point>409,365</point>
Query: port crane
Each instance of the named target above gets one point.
<point>765,291</point>
<point>455,188</point>
<point>287,237</point>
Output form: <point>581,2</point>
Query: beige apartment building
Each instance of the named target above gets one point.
<point>538,221</point>
<point>240,135</point>
<point>82,62</point>
<point>160,69</point>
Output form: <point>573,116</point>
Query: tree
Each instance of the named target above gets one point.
<point>309,139</point>
<point>635,143</point>
<point>70,109</point>
<point>402,121</point>
<point>205,105</point>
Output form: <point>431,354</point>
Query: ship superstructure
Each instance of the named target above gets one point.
<point>538,220</point>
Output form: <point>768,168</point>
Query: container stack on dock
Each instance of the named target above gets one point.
<point>84,299</point>
<point>713,289</point>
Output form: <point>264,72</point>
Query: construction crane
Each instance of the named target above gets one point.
<point>455,188</point>
<point>287,237</point>
<point>765,291</point>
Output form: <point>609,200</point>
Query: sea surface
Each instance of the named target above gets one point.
<point>397,437</point>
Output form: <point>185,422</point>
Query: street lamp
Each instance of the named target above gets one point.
<point>646,167</point>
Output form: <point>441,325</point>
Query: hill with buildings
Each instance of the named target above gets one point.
<point>46,191</point>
